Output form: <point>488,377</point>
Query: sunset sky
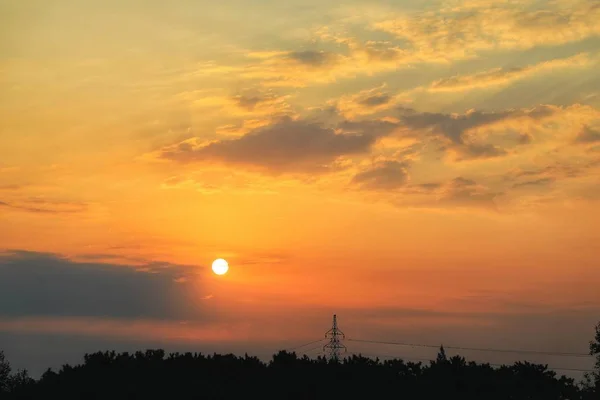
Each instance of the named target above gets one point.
<point>428,170</point>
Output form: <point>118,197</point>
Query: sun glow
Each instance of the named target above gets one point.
<point>220,266</point>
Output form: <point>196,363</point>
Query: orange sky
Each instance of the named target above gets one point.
<point>419,168</point>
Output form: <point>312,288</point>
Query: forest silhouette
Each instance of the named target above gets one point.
<point>155,375</point>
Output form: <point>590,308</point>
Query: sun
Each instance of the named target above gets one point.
<point>220,266</point>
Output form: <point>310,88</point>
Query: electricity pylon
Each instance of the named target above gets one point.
<point>335,345</point>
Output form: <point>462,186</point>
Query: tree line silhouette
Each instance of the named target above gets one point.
<point>155,375</point>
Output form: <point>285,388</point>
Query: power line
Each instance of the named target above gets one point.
<point>480,362</point>
<point>550,353</point>
<point>313,348</point>
<point>399,357</point>
<point>305,344</point>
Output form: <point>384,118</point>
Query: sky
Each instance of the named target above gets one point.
<point>429,171</point>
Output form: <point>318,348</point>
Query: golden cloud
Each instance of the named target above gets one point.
<point>275,69</point>
<point>477,135</point>
<point>444,35</point>
<point>549,124</point>
<point>465,32</point>
<point>464,135</point>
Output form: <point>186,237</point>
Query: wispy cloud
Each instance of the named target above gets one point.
<point>504,76</point>
<point>45,206</point>
<point>222,182</point>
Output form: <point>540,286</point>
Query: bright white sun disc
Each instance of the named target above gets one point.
<point>220,266</point>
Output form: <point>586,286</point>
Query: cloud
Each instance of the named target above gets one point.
<point>300,68</point>
<point>557,171</point>
<point>42,284</point>
<point>461,192</point>
<point>219,182</point>
<point>137,330</point>
<point>535,182</point>
<point>385,175</point>
<point>250,103</point>
<point>588,135</point>
<point>296,68</point>
<point>45,206</point>
<point>457,130</point>
<point>4,168</point>
<point>12,187</point>
<point>390,180</point>
<point>429,186</point>
<point>313,58</point>
<point>524,138</point>
<point>451,126</point>
<point>268,103</point>
<point>367,102</point>
<point>305,146</point>
<point>375,100</point>
<point>286,146</point>
<point>243,127</point>
<point>264,259</point>
<point>505,76</point>
<point>477,134</point>
<point>441,35</point>
<point>474,151</point>
<point>458,33</point>
<point>542,125</point>
<point>457,193</point>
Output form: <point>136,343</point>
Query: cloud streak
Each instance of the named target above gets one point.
<point>44,206</point>
<point>117,328</point>
<point>505,76</point>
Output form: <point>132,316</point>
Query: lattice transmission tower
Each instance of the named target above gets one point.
<point>335,346</point>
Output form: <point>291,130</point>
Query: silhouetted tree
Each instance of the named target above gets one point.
<point>5,370</point>
<point>441,357</point>
<point>10,383</point>
<point>152,374</point>
<point>593,378</point>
